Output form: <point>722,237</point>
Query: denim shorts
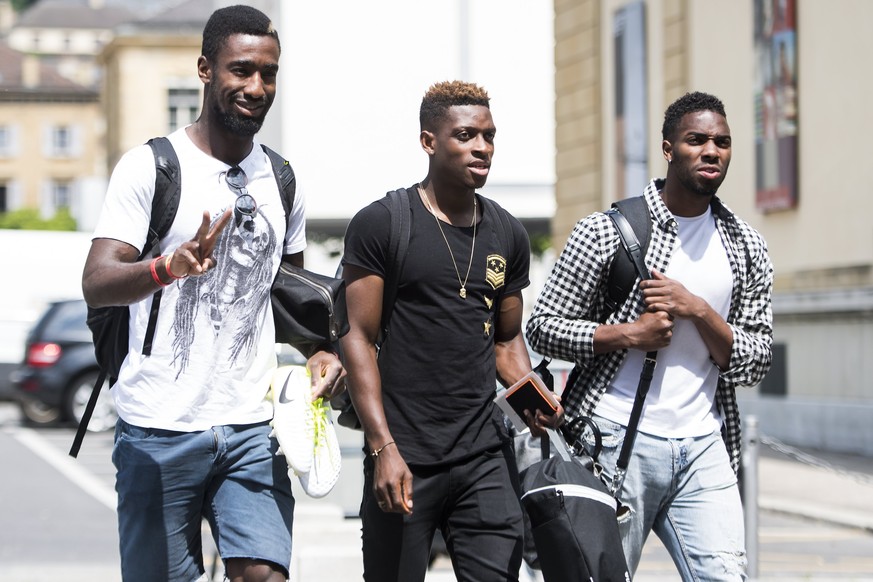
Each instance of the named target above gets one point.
<point>168,482</point>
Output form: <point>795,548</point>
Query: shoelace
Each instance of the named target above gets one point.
<point>319,418</point>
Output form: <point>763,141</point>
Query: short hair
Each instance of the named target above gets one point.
<point>239,19</point>
<point>441,96</point>
<point>689,103</point>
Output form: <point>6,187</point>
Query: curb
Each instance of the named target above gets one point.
<point>817,512</point>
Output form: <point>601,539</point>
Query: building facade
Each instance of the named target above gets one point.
<point>48,128</point>
<point>789,73</point>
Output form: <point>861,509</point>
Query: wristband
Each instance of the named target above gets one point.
<point>167,268</point>
<point>375,454</point>
<point>155,272</point>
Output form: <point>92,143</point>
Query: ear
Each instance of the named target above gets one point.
<point>204,70</point>
<point>427,140</point>
<point>667,150</point>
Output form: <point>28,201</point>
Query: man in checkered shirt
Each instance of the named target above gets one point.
<point>707,311</point>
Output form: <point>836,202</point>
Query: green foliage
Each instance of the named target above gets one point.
<point>539,244</point>
<point>29,219</point>
<point>19,5</point>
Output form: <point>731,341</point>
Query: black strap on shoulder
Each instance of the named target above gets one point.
<point>168,185</point>
<point>635,253</point>
<point>285,179</point>
<point>165,204</point>
<point>633,248</point>
<point>399,209</point>
<point>504,231</point>
<point>623,273</point>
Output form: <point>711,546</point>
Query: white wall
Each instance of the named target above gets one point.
<point>353,75</point>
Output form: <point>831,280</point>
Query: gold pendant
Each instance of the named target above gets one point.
<point>463,293</point>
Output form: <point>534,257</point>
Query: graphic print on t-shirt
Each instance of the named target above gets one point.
<point>230,301</point>
<point>495,272</point>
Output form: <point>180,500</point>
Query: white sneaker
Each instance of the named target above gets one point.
<point>293,423</point>
<point>327,459</point>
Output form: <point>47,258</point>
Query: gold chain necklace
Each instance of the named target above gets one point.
<point>463,291</point>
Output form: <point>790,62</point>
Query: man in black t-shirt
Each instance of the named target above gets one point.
<point>426,405</point>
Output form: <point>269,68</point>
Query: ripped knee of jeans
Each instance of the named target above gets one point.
<point>734,563</point>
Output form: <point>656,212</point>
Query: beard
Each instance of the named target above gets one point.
<point>238,124</point>
<point>693,184</point>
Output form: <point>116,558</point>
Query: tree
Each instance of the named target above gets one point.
<point>19,5</point>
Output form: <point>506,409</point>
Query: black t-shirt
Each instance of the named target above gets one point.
<point>437,361</point>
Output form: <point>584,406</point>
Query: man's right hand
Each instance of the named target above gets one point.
<point>194,257</point>
<point>653,331</point>
<point>392,482</point>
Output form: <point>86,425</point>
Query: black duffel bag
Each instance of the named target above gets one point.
<point>574,517</point>
<point>309,309</point>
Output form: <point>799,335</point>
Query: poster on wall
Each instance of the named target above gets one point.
<point>775,104</point>
<point>631,101</point>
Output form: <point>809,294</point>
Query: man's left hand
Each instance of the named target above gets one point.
<point>669,295</point>
<point>540,421</point>
<point>328,374</point>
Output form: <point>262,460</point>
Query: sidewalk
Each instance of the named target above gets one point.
<point>840,492</point>
<point>327,546</point>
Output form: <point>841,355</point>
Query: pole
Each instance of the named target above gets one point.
<point>750,492</point>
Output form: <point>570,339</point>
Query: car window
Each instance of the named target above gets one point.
<point>66,322</point>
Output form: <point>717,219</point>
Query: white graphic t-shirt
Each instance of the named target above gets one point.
<point>213,352</point>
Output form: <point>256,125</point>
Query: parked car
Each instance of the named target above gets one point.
<point>54,382</point>
<point>59,371</point>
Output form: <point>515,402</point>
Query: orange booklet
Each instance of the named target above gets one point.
<point>529,393</point>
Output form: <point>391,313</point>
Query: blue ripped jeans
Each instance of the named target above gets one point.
<point>686,492</point>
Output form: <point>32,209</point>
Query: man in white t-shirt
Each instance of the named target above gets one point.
<point>707,311</point>
<point>193,438</point>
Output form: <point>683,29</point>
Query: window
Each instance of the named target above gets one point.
<point>183,107</point>
<point>5,141</point>
<point>4,197</point>
<point>61,195</point>
<point>62,142</point>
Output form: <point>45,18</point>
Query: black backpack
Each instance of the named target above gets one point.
<point>622,274</point>
<point>109,325</point>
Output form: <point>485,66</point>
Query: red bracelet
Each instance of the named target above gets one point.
<point>155,272</point>
<point>167,267</point>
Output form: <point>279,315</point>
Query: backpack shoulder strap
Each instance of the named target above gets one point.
<point>631,217</point>
<point>636,210</point>
<point>168,184</point>
<point>165,204</point>
<point>399,209</point>
<point>285,179</point>
<point>504,228</point>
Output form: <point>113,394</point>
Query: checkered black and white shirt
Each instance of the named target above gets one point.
<point>572,304</point>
